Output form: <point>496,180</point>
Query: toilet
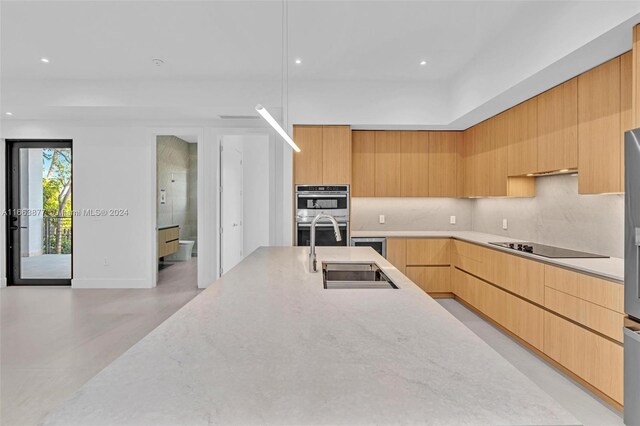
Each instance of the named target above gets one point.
<point>184,251</point>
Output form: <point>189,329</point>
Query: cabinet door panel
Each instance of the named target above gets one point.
<point>518,275</point>
<point>307,164</point>
<point>397,253</point>
<point>444,164</point>
<point>599,140</point>
<point>363,172</point>
<point>626,111</point>
<point>336,155</point>
<point>431,279</point>
<point>428,251</point>
<point>558,127</point>
<point>414,164</point>
<point>387,164</point>
<point>596,359</point>
<point>523,138</point>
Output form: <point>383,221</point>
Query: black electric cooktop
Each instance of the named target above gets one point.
<point>548,251</point>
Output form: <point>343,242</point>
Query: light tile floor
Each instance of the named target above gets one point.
<point>574,398</point>
<point>54,339</point>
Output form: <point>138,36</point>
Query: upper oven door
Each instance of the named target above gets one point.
<point>310,204</point>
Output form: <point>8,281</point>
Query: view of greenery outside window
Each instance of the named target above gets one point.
<point>56,193</point>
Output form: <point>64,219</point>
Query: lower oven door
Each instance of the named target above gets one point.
<point>324,234</point>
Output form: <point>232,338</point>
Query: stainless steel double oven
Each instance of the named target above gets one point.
<point>312,200</point>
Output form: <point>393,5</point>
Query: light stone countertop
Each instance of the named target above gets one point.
<point>267,344</point>
<point>611,268</point>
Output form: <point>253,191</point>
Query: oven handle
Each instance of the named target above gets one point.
<point>300,195</point>
<point>321,225</point>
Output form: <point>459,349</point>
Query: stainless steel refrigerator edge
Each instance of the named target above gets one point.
<point>631,277</point>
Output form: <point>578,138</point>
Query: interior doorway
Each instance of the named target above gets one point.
<point>177,209</point>
<point>246,196</point>
<point>39,219</point>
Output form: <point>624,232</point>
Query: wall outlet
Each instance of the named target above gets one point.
<point>452,220</point>
<point>381,219</point>
<point>504,224</point>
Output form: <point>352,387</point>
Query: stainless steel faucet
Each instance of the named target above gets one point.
<point>312,251</point>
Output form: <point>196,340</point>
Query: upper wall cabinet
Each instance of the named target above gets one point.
<point>406,164</point>
<point>388,163</point>
<point>445,164</point>
<point>599,132</point>
<point>363,148</point>
<point>523,138</point>
<point>558,128</point>
<point>325,156</point>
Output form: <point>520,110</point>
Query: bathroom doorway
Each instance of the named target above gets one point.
<point>177,210</point>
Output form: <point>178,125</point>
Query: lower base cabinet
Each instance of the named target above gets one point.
<point>523,319</point>
<point>432,279</point>
<point>595,359</point>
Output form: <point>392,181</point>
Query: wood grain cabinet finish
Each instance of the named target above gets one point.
<point>558,127</point>
<point>518,275</point>
<point>445,168</point>
<point>523,138</point>
<point>626,108</point>
<point>593,358</point>
<point>363,163</point>
<point>397,253</point>
<point>599,141</point>
<point>325,156</point>
<point>431,279</point>
<point>388,162</point>
<point>307,164</point>
<point>414,164</point>
<point>168,241</point>
<point>428,251</point>
<point>336,155</point>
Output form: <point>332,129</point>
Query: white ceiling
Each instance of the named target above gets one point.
<point>359,57</point>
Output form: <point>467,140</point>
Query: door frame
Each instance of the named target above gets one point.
<point>220,203</point>
<point>10,189</point>
<point>152,134</point>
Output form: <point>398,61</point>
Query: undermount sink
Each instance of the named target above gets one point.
<point>356,275</point>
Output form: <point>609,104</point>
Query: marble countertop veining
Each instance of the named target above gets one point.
<point>611,268</point>
<point>267,344</point>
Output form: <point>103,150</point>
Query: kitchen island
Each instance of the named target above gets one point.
<point>267,344</point>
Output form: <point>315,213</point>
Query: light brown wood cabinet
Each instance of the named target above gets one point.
<point>414,164</point>
<point>445,164</point>
<point>425,261</point>
<point>168,241</point>
<point>590,356</point>
<point>363,145</point>
<point>599,132</point>
<point>558,128</point>
<point>573,318</point>
<point>523,138</point>
<point>388,164</point>
<point>325,156</point>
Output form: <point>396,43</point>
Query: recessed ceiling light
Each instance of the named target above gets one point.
<point>44,60</point>
<point>298,61</point>
<point>157,62</point>
<point>8,113</point>
<point>423,62</point>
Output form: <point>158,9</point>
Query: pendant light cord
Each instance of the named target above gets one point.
<point>284,100</point>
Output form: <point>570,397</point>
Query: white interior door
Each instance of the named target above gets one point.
<point>231,242</point>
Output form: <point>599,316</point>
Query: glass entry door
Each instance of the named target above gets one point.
<point>39,218</point>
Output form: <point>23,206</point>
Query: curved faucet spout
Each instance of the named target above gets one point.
<point>312,250</point>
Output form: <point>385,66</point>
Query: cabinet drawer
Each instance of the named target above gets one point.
<point>593,358</point>
<point>432,279</point>
<point>594,316</point>
<point>397,253</point>
<point>428,251</point>
<point>520,317</point>
<point>471,258</point>
<point>172,234</point>
<point>172,246</point>
<point>601,292</point>
<point>518,275</point>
